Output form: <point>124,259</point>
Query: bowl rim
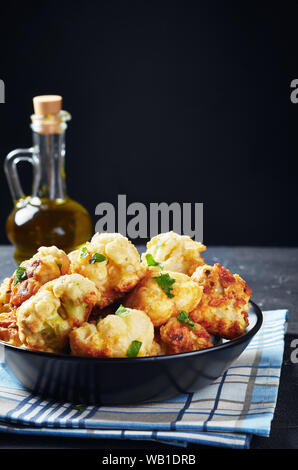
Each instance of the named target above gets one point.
<point>228,344</point>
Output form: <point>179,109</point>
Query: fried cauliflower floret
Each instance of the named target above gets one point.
<point>180,337</point>
<point>40,324</point>
<point>45,320</point>
<point>149,296</point>
<point>158,348</point>
<point>5,293</point>
<point>77,295</point>
<point>47,264</point>
<point>113,335</point>
<point>112,262</point>
<point>9,329</point>
<point>223,309</point>
<point>177,253</point>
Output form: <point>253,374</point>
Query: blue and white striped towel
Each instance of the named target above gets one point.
<point>237,405</point>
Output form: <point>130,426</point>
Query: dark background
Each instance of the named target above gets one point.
<point>178,101</point>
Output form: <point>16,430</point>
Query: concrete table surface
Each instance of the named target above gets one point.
<point>272,274</point>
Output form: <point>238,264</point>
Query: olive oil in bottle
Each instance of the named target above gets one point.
<point>47,217</point>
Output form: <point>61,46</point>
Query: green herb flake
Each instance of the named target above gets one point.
<point>59,266</point>
<point>84,252</point>
<point>134,349</point>
<point>20,275</point>
<point>183,317</point>
<point>97,258</point>
<point>151,261</point>
<point>165,282</point>
<point>122,311</point>
<point>80,408</point>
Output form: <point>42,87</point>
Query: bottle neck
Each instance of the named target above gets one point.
<point>49,159</point>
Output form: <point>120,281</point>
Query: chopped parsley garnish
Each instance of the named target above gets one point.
<point>20,275</point>
<point>97,258</point>
<point>84,252</point>
<point>183,317</point>
<point>59,266</point>
<point>151,261</point>
<point>165,282</point>
<point>134,348</point>
<point>80,408</point>
<point>122,311</point>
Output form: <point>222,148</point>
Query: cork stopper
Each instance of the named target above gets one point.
<point>47,104</point>
<point>48,117</point>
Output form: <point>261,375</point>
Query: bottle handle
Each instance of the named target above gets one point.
<point>10,168</point>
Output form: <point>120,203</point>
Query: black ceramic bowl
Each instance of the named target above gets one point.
<point>125,380</point>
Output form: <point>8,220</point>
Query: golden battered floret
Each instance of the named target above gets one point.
<point>162,295</point>
<point>5,293</point>
<point>223,309</point>
<point>177,253</point>
<point>112,262</point>
<point>115,336</point>
<point>9,329</point>
<point>158,348</point>
<point>181,337</point>
<point>77,295</point>
<point>47,264</point>
<point>45,320</point>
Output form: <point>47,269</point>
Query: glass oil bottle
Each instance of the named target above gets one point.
<point>48,216</point>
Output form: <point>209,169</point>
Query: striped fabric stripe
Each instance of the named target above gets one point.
<point>219,439</point>
<point>237,405</point>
